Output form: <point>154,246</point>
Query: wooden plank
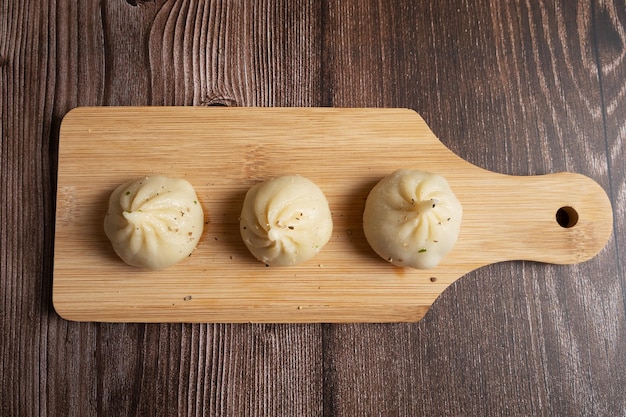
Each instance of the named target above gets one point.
<point>223,151</point>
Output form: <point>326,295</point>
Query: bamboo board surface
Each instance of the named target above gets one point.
<point>224,151</point>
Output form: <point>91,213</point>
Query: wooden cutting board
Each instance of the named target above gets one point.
<point>224,151</point>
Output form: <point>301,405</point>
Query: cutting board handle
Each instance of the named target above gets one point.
<point>561,218</point>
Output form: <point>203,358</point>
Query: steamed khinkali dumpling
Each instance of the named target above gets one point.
<point>412,218</point>
<point>285,221</point>
<point>154,222</point>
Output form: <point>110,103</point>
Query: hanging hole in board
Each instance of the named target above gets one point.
<point>567,217</point>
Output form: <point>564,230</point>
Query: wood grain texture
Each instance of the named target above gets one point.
<point>519,87</point>
<point>514,70</point>
<point>222,152</point>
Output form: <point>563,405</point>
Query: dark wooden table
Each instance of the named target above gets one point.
<point>518,87</point>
